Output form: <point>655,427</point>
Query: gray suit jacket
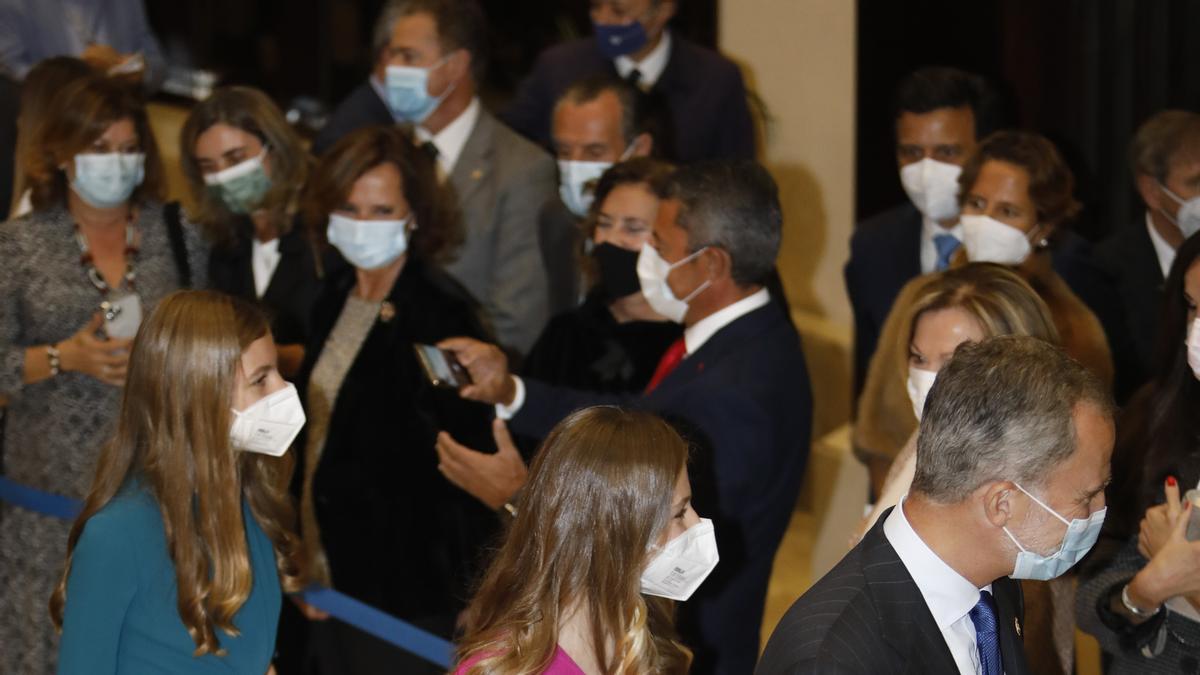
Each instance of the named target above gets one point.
<point>501,182</point>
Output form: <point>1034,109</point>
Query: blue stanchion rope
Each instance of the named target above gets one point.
<point>339,606</point>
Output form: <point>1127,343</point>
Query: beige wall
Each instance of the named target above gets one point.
<point>798,56</point>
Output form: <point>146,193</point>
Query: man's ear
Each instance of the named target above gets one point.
<point>643,145</point>
<point>1151,192</point>
<point>997,502</point>
<point>717,263</point>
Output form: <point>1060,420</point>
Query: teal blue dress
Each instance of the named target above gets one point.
<point>121,614</point>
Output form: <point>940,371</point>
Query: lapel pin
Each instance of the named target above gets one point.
<point>477,174</point>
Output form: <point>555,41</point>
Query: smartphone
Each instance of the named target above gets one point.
<point>1193,529</point>
<point>442,367</point>
<point>122,316</point>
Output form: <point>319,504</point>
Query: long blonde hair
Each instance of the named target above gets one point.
<point>599,494</point>
<point>173,435</point>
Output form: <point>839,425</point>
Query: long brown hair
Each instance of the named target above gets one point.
<point>253,112</point>
<point>439,229</point>
<point>599,495</point>
<point>173,436</point>
<point>83,111</point>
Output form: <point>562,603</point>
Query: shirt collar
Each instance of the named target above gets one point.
<point>1162,250</point>
<point>451,140</point>
<point>948,595</point>
<point>651,67</point>
<point>695,336</point>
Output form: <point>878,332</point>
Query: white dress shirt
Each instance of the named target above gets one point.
<point>1162,250</point>
<point>694,337</point>
<point>264,258</point>
<point>929,230</point>
<point>948,595</point>
<point>651,67</point>
<point>451,140</point>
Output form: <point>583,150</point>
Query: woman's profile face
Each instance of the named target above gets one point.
<point>683,515</point>
<point>222,146</point>
<point>1001,191</point>
<point>258,375</point>
<point>626,217</point>
<point>1191,289</point>
<point>938,333</point>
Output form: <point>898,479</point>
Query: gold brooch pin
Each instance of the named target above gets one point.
<point>387,311</point>
<point>477,174</point>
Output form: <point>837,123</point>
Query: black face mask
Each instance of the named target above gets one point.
<point>618,270</point>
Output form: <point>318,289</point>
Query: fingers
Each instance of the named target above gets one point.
<point>1172,492</point>
<point>458,345</point>
<point>1181,523</point>
<point>504,441</point>
<point>94,325</point>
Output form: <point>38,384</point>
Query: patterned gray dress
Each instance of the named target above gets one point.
<point>56,427</point>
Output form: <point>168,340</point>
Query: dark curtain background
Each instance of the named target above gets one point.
<point>1085,73</point>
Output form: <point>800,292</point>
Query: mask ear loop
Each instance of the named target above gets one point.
<point>701,287</point>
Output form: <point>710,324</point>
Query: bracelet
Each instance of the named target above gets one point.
<point>1136,611</point>
<point>55,359</point>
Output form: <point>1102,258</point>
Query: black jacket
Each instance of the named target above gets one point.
<point>397,535</point>
<point>867,617</point>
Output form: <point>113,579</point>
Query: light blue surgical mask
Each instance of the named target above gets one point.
<point>107,179</point>
<point>368,244</point>
<point>1079,538</point>
<point>407,89</point>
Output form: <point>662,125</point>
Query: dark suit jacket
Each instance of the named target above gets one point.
<point>397,535</point>
<point>291,292</point>
<point>867,616</point>
<point>361,108</point>
<point>743,400</point>
<point>560,238</point>
<point>702,89</point>
<point>1135,282</point>
<point>885,254</point>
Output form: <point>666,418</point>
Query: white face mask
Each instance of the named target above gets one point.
<point>989,240</point>
<point>678,569</point>
<point>577,181</point>
<point>1193,346</point>
<point>368,244</point>
<point>106,180</point>
<point>653,272</point>
<point>919,383</point>
<point>1079,538</point>
<point>1187,219</point>
<point>932,186</point>
<point>269,425</point>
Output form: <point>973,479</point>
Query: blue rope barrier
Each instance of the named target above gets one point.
<point>369,620</point>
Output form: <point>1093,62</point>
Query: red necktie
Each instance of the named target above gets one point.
<point>670,360</point>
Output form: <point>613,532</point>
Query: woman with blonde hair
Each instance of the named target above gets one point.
<point>246,169</point>
<point>177,560</point>
<point>603,541</point>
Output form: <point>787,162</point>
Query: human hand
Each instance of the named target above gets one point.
<point>1159,521</point>
<point>492,479</point>
<point>488,366</point>
<point>1174,570</point>
<point>105,360</point>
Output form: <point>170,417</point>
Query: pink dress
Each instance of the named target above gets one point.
<point>561,664</point>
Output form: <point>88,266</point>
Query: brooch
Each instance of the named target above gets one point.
<point>387,311</point>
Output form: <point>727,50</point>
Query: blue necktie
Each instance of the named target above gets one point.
<point>983,615</point>
<point>946,245</point>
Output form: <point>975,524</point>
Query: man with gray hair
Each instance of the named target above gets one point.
<point>430,56</point>
<point>1165,162</point>
<point>735,385</point>
<point>1012,461</point>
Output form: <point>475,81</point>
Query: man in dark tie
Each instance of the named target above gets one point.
<point>430,57</point>
<point>702,90</point>
<point>736,385</point>
<point>1165,161</point>
<point>1012,461</point>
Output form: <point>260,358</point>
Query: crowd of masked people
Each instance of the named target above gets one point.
<point>253,395</point>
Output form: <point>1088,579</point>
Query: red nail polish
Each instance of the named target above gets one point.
<point>1171,481</point>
